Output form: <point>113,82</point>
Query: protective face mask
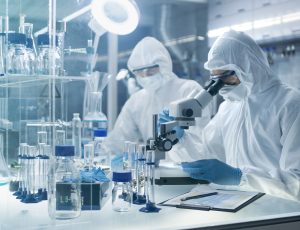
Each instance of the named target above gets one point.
<point>234,92</point>
<point>151,83</point>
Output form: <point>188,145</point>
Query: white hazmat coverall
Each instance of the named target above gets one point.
<point>135,120</point>
<point>257,127</point>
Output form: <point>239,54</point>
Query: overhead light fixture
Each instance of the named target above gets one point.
<point>115,16</point>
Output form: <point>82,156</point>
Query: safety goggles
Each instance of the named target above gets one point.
<point>146,71</point>
<point>226,77</point>
<point>223,76</point>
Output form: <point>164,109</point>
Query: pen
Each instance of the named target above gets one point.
<point>198,196</point>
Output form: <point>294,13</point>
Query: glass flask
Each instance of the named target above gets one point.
<point>121,192</point>
<point>95,118</point>
<point>17,58</point>
<point>28,29</point>
<point>4,172</point>
<point>43,58</point>
<point>64,198</point>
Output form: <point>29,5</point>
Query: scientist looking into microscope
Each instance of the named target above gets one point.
<point>252,143</point>
<point>151,64</point>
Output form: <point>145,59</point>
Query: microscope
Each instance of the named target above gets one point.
<point>184,112</point>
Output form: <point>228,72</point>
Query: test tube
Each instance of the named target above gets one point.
<point>88,156</point>
<point>47,150</point>
<point>126,161</point>
<point>22,170</point>
<point>140,175</point>
<point>132,165</point>
<point>60,137</point>
<point>30,178</point>
<point>150,183</point>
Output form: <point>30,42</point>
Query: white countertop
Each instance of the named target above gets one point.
<point>16,215</point>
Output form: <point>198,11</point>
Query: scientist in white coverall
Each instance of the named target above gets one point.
<point>253,141</point>
<point>151,64</point>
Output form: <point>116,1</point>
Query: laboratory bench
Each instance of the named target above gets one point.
<point>266,212</point>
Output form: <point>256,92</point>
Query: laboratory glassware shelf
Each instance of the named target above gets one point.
<point>20,80</point>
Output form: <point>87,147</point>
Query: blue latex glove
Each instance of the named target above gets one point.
<point>99,175</point>
<point>165,117</point>
<point>93,175</point>
<point>87,176</point>
<point>214,171</point>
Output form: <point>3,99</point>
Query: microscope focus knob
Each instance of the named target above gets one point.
<point>165,144</point>
<point>187,112</point>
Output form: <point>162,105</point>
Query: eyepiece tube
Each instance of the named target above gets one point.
<point>214,87</point>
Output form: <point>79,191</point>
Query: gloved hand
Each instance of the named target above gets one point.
<point>165,117</point>
<point>214,171</point>
<point>87,176</point>
<point>99,175</point>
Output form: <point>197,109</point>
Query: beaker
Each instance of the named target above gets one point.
<point>4,172</point>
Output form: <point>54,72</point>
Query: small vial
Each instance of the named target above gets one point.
<point>121,192</point>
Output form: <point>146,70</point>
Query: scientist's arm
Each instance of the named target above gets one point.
<point>125,128</point>
<point>285,180</point>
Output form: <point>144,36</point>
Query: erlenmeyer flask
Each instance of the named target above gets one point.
<point>94,118</point>
<point>4,172</point>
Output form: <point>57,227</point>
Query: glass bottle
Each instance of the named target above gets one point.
<point>76,134</point>
<point>17,58</point>
<point>121,192</point>
<point>43,59</point>
<point>64,191</point>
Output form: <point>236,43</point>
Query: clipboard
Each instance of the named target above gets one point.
<point>224,200</point>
